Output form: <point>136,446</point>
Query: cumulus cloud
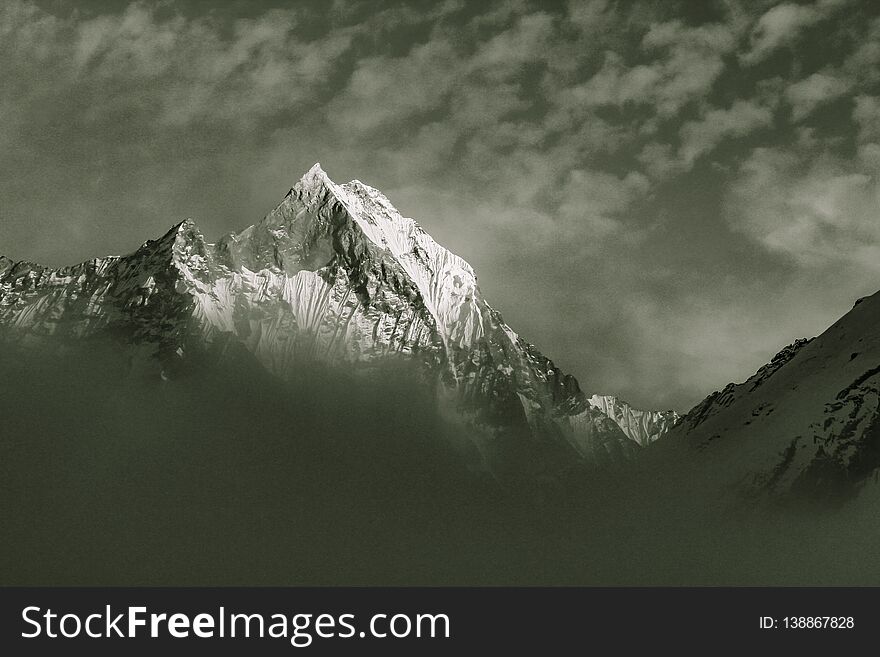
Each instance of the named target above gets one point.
<point>180,69</point>
<point>863,63</point>
<point>783,24</point>
<point>701,136</point>
<point>589,14</point>
<point>694,60</point>
<point>528,41</point>
<point>819,211</point>
<point>477,86</point>
<point>385,90</point>
<point>597,199</point>
<point>866,114</point>
<point>742,118</point>
<point>806,95</point>
<point>661,160</point>
<point>687,62</point>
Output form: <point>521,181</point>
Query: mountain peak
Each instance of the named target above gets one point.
<point>313,183</point>
<point>315,176</point>
<point>180,227</point>
<point>186,224</point>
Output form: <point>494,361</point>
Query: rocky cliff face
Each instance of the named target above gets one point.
<point>333,275</point>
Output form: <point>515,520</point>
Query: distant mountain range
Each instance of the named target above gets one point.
<point>336,276</point>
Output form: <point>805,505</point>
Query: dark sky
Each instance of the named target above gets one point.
<point>659,195</point>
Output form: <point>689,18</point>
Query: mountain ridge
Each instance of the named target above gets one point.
<point>806,424</point>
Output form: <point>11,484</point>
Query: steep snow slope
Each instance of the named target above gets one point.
<point>644,427</point>
<point>808,422</point>
<point>334,275</point>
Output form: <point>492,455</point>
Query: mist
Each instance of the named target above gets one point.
<point>224,475</point>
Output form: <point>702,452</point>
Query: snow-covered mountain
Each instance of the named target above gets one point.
<point>334,275</point>
<point>807,423</point>
<point>644,427</point>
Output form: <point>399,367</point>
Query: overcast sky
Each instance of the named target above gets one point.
<point>659,195</point>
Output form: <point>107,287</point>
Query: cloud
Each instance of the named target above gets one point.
<point>687,62</point>
<point>590,15</point>
<point>181,70</point>
<point>701,136</point>
<point>383,91</point>
<point>476,87</point>
<point>694,61</point>
<point>594,201</point>
<point>661,160</point>
<point>818,210</point>
<point>863,63</point>
<point>617,84</point>
<point>806,95</point>
<point>528,41</point>
<point>866,114</point>
<point>782,25</point>
<point>741,119</point>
